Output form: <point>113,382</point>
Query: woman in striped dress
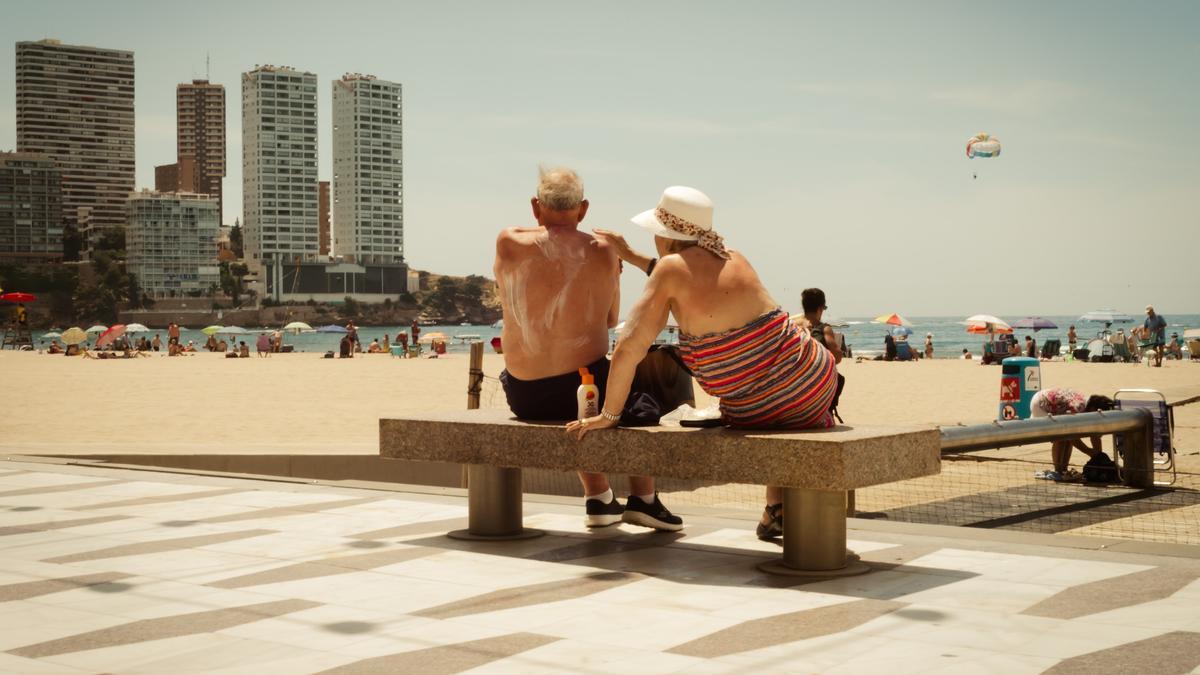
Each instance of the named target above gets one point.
<point>767,371</point>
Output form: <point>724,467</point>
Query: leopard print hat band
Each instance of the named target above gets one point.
<point>706,239</point>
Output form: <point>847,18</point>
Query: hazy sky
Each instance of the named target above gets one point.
<point>831,138</point>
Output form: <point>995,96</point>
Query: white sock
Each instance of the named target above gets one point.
<point>605,497</point>
<point>649,499</point>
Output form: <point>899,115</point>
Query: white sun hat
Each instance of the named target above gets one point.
<point>685,203</point>
<point>684,214</point>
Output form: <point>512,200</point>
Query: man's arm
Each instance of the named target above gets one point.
<point>833,343</point>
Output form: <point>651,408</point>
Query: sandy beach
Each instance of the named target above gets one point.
<point>301,403</point>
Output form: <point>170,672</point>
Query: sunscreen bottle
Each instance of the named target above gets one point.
<point>587,397</point>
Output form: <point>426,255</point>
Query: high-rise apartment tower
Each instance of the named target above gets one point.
<point>200,137</point>
<point>279,167</point>
<point>75,106</point>
<point>368,170</point>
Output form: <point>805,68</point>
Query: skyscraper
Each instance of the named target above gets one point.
<point>75,106</point>
<point>200,124</point>
<point>368,170</point>
<point>279,167</point>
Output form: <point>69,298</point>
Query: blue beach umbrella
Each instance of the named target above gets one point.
<point>901,331</point>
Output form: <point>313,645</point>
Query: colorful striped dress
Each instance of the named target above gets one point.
<point>769,374</point>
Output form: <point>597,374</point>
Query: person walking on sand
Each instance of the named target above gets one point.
<point>172,333</point>
<point>929,345</point>
<point>1071,339</point>
<point>157,343</point>
<point>415,329</point>
<point>1155,330</point>
<point>767,372</point>
<point>560,293</point>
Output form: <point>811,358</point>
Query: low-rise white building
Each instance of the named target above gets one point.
<point>170,242</point>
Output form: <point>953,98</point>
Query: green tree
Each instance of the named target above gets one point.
<point>235,238</point>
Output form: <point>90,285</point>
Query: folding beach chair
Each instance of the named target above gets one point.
<point>1164,426</point>
<point>1050,348</point>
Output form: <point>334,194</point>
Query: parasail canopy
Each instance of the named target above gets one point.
<point>982,146</point>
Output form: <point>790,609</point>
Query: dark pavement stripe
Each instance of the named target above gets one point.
<point>783,628</point>
<point>294,510</point>
<point>447,659</point>
<point>48,489</point>
<point>33,589</point>
<point>408,529</point>
<point>326,567</point>
<point>1169,654</point>
<point>56,525</point>
<point>1113,593</point>
<point>176,544</point>
<point>161,499</point>
<point>534,594</point>
<point>165,627</point>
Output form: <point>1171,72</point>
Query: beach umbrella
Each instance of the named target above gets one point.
<point>51,335</point>
<point>1035,322</point>
<point>74,336</point>
<point>892,320</point>
<point>107,337</point>
<point>136,328</point>
<point>332,329</point>
<point>901,331</point>
<point>982,329</point>
<point>17,296</point>
<point>233,330</point>
<point>211,330</point>
<point>430,337</point>
<point>297,326</point>
<point>1106,317</point>
<point>97,329</point>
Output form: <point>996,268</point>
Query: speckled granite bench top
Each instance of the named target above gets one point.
<point>842,458</point>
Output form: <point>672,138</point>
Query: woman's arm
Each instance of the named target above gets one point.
<point>645,322</point>
<point>624,250</point>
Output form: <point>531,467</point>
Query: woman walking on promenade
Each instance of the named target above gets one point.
<point>742,348</point>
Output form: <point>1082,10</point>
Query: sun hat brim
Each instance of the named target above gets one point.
<point>649,220</point>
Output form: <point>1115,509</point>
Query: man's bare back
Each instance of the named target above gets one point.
<point>560,292</point>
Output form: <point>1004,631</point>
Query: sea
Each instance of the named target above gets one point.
<point>863,337</point>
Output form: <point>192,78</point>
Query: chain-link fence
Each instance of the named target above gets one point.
<point>985,488</point>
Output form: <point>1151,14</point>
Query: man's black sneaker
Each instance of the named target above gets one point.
<point>600,514</point>
<point>773,528</point>
<point>638,512</point>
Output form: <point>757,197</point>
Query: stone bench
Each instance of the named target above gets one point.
<point>815,468</point>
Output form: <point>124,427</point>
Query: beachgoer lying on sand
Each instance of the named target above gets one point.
<point>191,347</point>
<point>768,372</point>
<point>374,347</point>
<point>559,289</point>
<point>54,348</point>
<point>967,354</point>
<point>1063,401</point>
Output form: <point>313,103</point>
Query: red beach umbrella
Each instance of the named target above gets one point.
<point>17,296</point>
<point>106,338</point>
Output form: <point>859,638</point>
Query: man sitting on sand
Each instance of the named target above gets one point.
<point>560,294</point>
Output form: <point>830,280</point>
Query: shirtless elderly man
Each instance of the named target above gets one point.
<point>560,291</point>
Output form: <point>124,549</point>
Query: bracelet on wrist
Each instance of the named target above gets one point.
<point>609,416</point>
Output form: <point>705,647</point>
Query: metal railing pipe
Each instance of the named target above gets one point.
<point>1044,429</point>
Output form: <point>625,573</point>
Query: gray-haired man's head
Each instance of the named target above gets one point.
<point>559,198</point>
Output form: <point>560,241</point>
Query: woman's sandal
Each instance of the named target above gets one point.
<point>773,528</point>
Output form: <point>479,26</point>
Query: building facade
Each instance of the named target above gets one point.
<point>323,210</point>
<point>31,214</point>
<point>171,242</point>
<point>75,106</point>
<point>177,177</point>
<point>279,168</point>
<point>368,170</point>
<point>200,136</point>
